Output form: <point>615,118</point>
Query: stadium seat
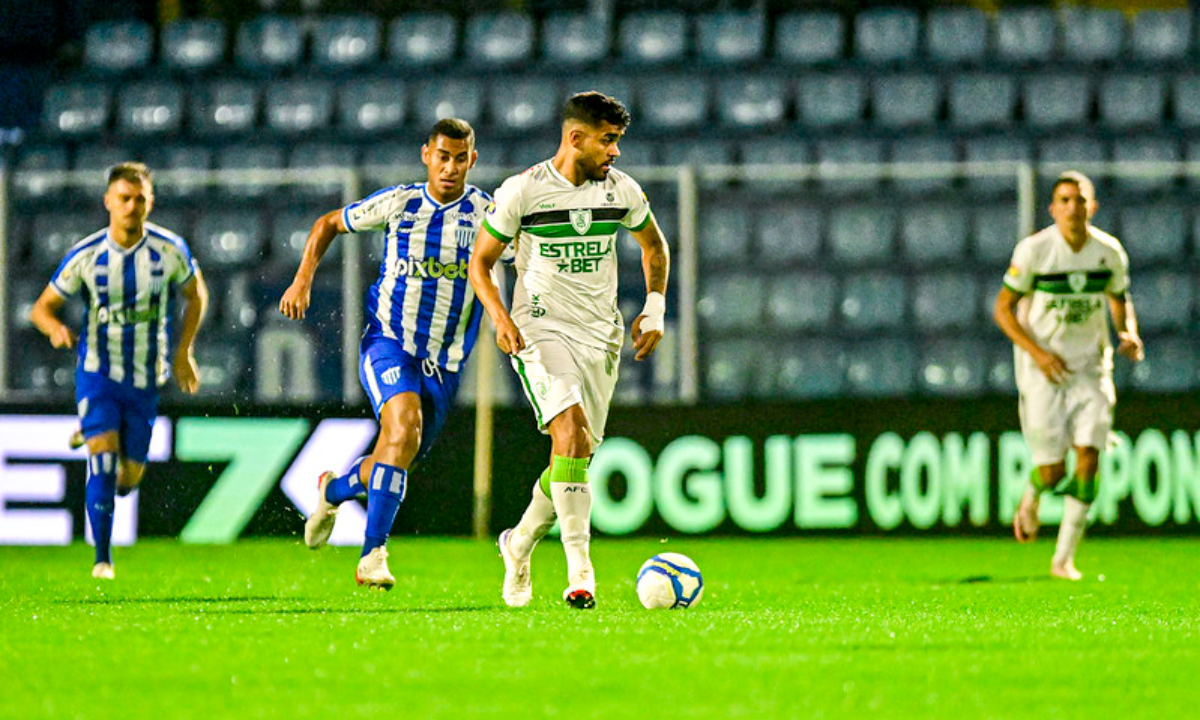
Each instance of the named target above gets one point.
<point>1163,300</point>
<point>789,233</point>
<point>229,238</point>
<point>752,102</point>
<point>27,184</point>
<point>249,158</point>
<point>23,292</point>
<point>801,301</point>
<point>298,106</point>
<point>224,107</point>
<point>369,106</point>
<point>730,302</point>
<point>953,367</point>
<point>934,234</point>
<point>527,153</point>
<point>150,108</point>
<point>944,301</point>
<point>957,35</point>
<point>499,39</point>
<point>422,39</point>
<point>94,162</point>
<point>520,104</point>
<point>724,234</point>
<point>42,369</point>
<point>318,155</point>
<point>809,38</point>
<point>1001,375</point>
<point>831,100</point>
<point>118,46</point>
<point>1153,233</point>
<point>1185,98</point>
<point>886,35</point>
<point>194,159</point>
<point>224,360</point>
<point>906,101</point>
<point>1127,101</point>
<point>574,38</point>
<point>701,152</point>
<point>1170,366</point>
<point>995,235</point>
<point>775,149</point>
<point>653,37</point>
<point>53,234</point>
<point>991,151</point>
<point>76,109</point>
<point>192,45</point>
<point>834,155</point>
<point>289,231</point>
<point>1161,36</point>
<point>637,153</point>
<point>1057,100</point>
<point>344,42</point>
<point>614,85</point>
<point>928,149</point>
<point>873,301</point>
<point>460,97</point>
<point>174,219</point>
<point>1070,150</point>
<point>734,369</point>
<point>269,43</point>
<point>1156,148</point>
<point>812,368</point>
<point>673,102</point>
<point>1025,35</point>
<point>883,367</point>
<point>1092,35</point>
<point>862,234</point>
<point>978,100</point>
<point>730,37</point>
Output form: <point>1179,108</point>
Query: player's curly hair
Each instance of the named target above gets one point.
<point>453,128</point>
<point>593,108</point>
<point>134,172</point>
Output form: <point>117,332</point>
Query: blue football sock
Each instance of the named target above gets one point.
<point>339,490</point>
<point>385,492</point>
<point>100,494</point>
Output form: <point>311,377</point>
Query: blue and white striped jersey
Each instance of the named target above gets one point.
<point>125,333</point>
<point>423,298</point>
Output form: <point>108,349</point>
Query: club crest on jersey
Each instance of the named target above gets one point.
<point>1077,281</point>
<point>464,233</point>
<point>581,220</point>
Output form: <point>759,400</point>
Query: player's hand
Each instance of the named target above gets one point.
<point>644,343</point>
<point>296,299</point>
<point>62,337</point>
<point>187,373</point>
<point>1131,346</point>
<point>1053,367</point>
<point>508,337</point>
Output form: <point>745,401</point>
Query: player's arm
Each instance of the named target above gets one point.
<point>656,266</point>
<point>1125,322</point>
<point>297,297</point>
<point>195,305</point>
<point>488,249</point>
<point>1005,315</point>
<point>44,316</point>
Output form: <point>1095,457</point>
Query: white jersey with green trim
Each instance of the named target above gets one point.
<point>1065,311</point>
<point>566,255</point>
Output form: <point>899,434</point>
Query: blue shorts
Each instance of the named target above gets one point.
<point>386,370</point>
<point>105,405</point>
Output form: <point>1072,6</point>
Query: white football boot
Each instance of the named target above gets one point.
<point>1066,570</point>
<point>373,570</point>
<point>103,571</point>
<point>518,583</point>
<point>319,526</point>
<point>581,593</point>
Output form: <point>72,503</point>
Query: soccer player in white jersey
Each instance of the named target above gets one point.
<point>565,332</point>
<point>126,273</point>
<point>422,322</point>
<point>1052,307</point>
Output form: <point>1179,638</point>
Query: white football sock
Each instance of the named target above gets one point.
<point>573,502</point>
<point>1074,521</point>
<point>535,523</point>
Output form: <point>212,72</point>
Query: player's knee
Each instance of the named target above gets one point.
<point>401,442</point>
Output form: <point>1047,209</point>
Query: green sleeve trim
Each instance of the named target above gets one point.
<point>1018,291</point>
<point>642,225</point>
<point>496,233</point>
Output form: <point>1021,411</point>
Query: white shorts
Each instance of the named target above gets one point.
<point>1078,412</point>
<point>557,372</point>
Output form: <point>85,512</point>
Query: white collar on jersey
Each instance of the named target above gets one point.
<point>121,248</point>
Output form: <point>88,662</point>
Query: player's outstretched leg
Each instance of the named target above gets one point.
<point>385,492</point>
<point>1076,504</point>
<point>101,498</point>
<point>516,544</point>
<point>573,503</point>
<point>332,491</point>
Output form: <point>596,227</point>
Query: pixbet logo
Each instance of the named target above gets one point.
<point>427,268</point>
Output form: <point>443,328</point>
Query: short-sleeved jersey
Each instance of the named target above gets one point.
<point>126,329</point>
<point>566,256</point>
<point>423,297</point>
<point>1067,312</point>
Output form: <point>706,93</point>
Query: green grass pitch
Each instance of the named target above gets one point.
<point>788,628</point>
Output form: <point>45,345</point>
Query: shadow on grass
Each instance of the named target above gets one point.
<point>273,603</point>
<point>1015,580</point>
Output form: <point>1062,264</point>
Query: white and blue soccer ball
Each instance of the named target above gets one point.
<point>669,581</point>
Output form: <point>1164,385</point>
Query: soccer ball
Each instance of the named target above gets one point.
<point>669,580</point>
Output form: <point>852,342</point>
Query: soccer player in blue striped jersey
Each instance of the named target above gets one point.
<point>422,321</point>
<point>126,273</point>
